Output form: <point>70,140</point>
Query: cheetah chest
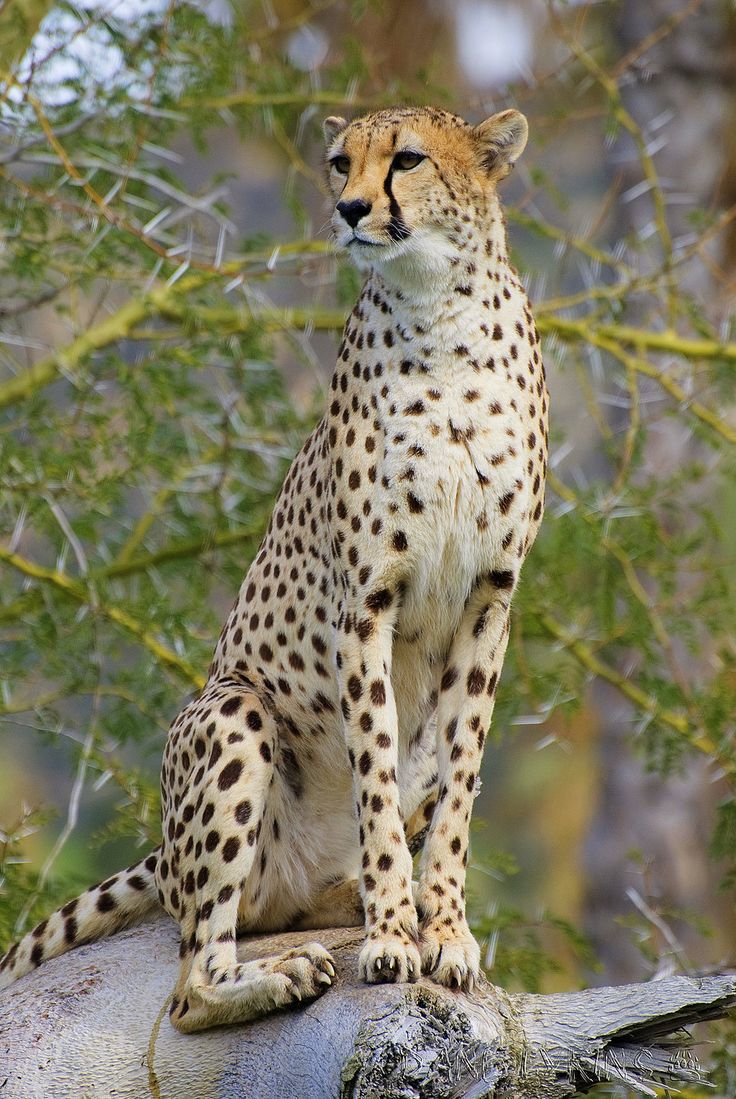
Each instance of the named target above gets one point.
<point>458,475</point>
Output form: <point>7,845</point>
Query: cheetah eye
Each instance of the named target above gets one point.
<point>341,164</point>
<point>407,160</point>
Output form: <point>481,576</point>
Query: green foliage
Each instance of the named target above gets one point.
<point>519,953</point>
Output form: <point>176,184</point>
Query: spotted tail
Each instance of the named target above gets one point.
<point>104,909</point>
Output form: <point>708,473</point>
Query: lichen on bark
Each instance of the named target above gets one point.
<point>419,1048</point>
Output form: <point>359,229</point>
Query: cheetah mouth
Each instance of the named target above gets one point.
<point>363,241</point>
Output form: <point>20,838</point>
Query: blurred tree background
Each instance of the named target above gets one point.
<point>169,312</point>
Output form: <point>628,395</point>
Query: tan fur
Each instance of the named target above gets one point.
<point>354,680</point>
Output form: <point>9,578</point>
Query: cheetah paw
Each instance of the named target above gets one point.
<point>385,961</point>
<point>453,963</point>
<point>308,971</point>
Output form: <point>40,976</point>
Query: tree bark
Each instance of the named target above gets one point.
<point>94,1023</point>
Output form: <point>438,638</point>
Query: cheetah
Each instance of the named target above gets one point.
<point>353,684</point>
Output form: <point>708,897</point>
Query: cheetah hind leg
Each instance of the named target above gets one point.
<point>214,988</point>
<point>242,992</point>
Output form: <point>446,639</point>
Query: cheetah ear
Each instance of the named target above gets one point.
<point>332,127</point>
<point>502,139</point>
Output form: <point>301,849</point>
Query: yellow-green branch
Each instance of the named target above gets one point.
<point>193,548</point>
<point>640,338</point>
<point>130,625</point>
<point>610,337</point>
<point>172,302</point>
<point>645,702</point>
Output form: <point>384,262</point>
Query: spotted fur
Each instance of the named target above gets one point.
<point>354,680</point>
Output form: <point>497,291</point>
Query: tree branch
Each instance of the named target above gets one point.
<point>355,1042</point>
<point>120,617</point>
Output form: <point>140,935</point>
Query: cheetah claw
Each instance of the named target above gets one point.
<point>389,960</point>
<point>453,963</point>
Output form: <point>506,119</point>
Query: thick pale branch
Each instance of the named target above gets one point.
<point>99,1014</point>
<point>640,338</point>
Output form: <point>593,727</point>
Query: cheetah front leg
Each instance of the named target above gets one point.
<point>449,952</point>
<point>390,952</point>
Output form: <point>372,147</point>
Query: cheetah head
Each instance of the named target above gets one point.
<point>406,180</point>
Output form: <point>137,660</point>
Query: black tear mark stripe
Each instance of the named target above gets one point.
<point>397,227</point>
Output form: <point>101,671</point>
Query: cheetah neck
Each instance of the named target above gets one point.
<point>452,312</point>
<point>441,275</point>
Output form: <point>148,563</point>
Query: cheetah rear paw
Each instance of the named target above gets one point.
<point>389,960</point>
<point>451,961</point>
<point>308,971</point>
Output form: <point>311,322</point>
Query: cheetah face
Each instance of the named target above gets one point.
<point>401,179</point>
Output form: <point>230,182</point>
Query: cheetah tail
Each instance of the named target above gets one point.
<point>104,909</point>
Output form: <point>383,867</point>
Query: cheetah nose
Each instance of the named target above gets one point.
<point>353,211</point>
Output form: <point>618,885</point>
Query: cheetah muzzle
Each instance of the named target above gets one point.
<point>350,693</point>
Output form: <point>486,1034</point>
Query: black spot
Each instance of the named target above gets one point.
<point>476,681</point>
<point>355,688</point>
<point>379,600</point>
<point>502,579</point>
<point>106,902</point>
<point>243,812</point>
<point>378,692</point>
<point>399,541</point>
<point>230,848</point>
<point>448,679</point>
<point>230,774</point>
<point>364,629</point>
<point>365,763</point>
<point>505,502</point>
